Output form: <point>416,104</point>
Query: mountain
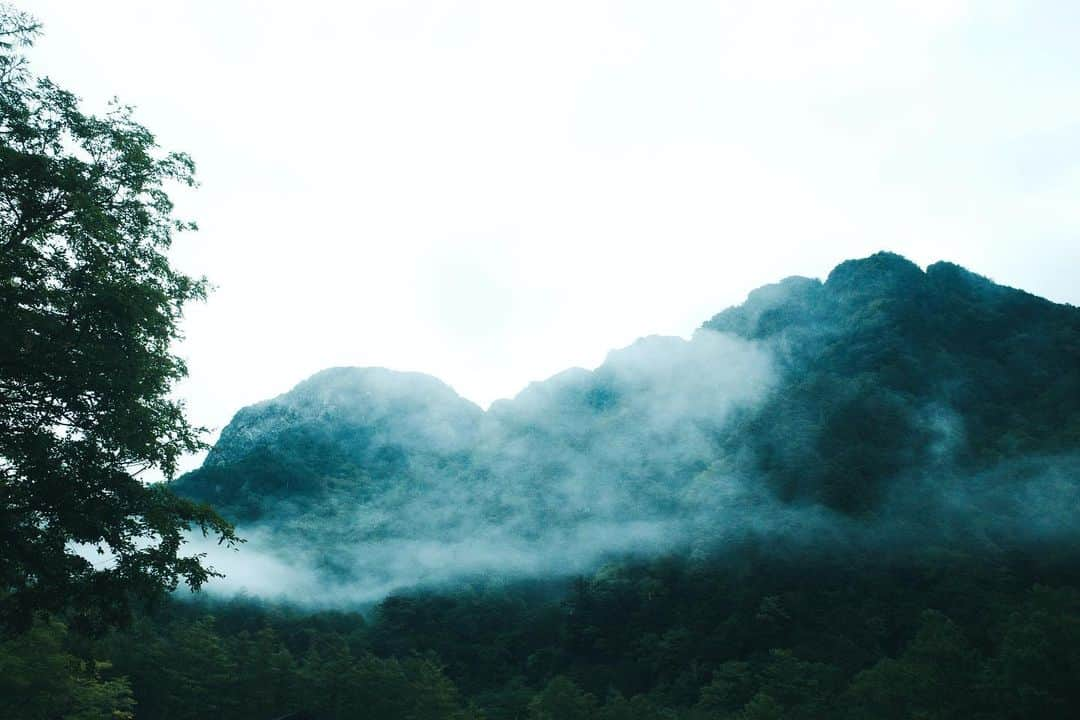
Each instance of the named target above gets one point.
<point>358,431</point>
<point>887,368</point>
<point>883,395</point>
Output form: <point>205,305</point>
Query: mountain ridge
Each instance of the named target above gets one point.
<point>836,399</point>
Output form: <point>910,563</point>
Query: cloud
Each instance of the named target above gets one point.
<point>586,466</point>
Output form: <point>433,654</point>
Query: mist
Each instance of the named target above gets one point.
<point>629,461</point>
<point>874,412</point>
<point>575,470</point>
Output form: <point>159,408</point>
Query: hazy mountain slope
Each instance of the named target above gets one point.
<point>622,442</point>
<point>887,368</point>
<point>390,478</point>
<point>343,435</point>
<point>884,392</point>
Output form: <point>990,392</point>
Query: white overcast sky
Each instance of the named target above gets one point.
<point>491,192</point>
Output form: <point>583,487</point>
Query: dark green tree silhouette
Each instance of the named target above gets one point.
<point>89,309</point>
<point>562,699</point>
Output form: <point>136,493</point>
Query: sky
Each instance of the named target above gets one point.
<point>491,192</point>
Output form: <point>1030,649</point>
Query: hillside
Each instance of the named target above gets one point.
<point>890,370</point>
<point>854,498</point>
<point>881,399</point>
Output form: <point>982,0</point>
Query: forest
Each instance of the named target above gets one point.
<point>932,633</point>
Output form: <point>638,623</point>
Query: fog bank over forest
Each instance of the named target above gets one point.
<point>884,407</point>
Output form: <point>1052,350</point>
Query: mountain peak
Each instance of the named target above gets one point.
<point>411,407</point>
<point>883,273</point>
<point>347,385</point>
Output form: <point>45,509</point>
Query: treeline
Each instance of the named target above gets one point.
<point>935,634</point>
<point>181,665</point>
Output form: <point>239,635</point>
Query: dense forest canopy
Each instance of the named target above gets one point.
<point>752,633</point>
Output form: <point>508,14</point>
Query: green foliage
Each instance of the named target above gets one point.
<point>89,309</point>
<point>189,665</point>
<point>792,638</point>
<point>930,636</point>
<point>890,372</point>
<point>40,678</point>
<point>562,700</point>
<point>762,707</point>
<point>935,677</point>
<point>1035,671</point>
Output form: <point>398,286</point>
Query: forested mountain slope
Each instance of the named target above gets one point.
<point>888,368</point>
<point>882,398</point>
<point>855,498</point>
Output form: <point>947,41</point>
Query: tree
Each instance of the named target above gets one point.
<point>89,311</point>
<point>934,678</point>
<point>562,699</point>
<point>39,678</point>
